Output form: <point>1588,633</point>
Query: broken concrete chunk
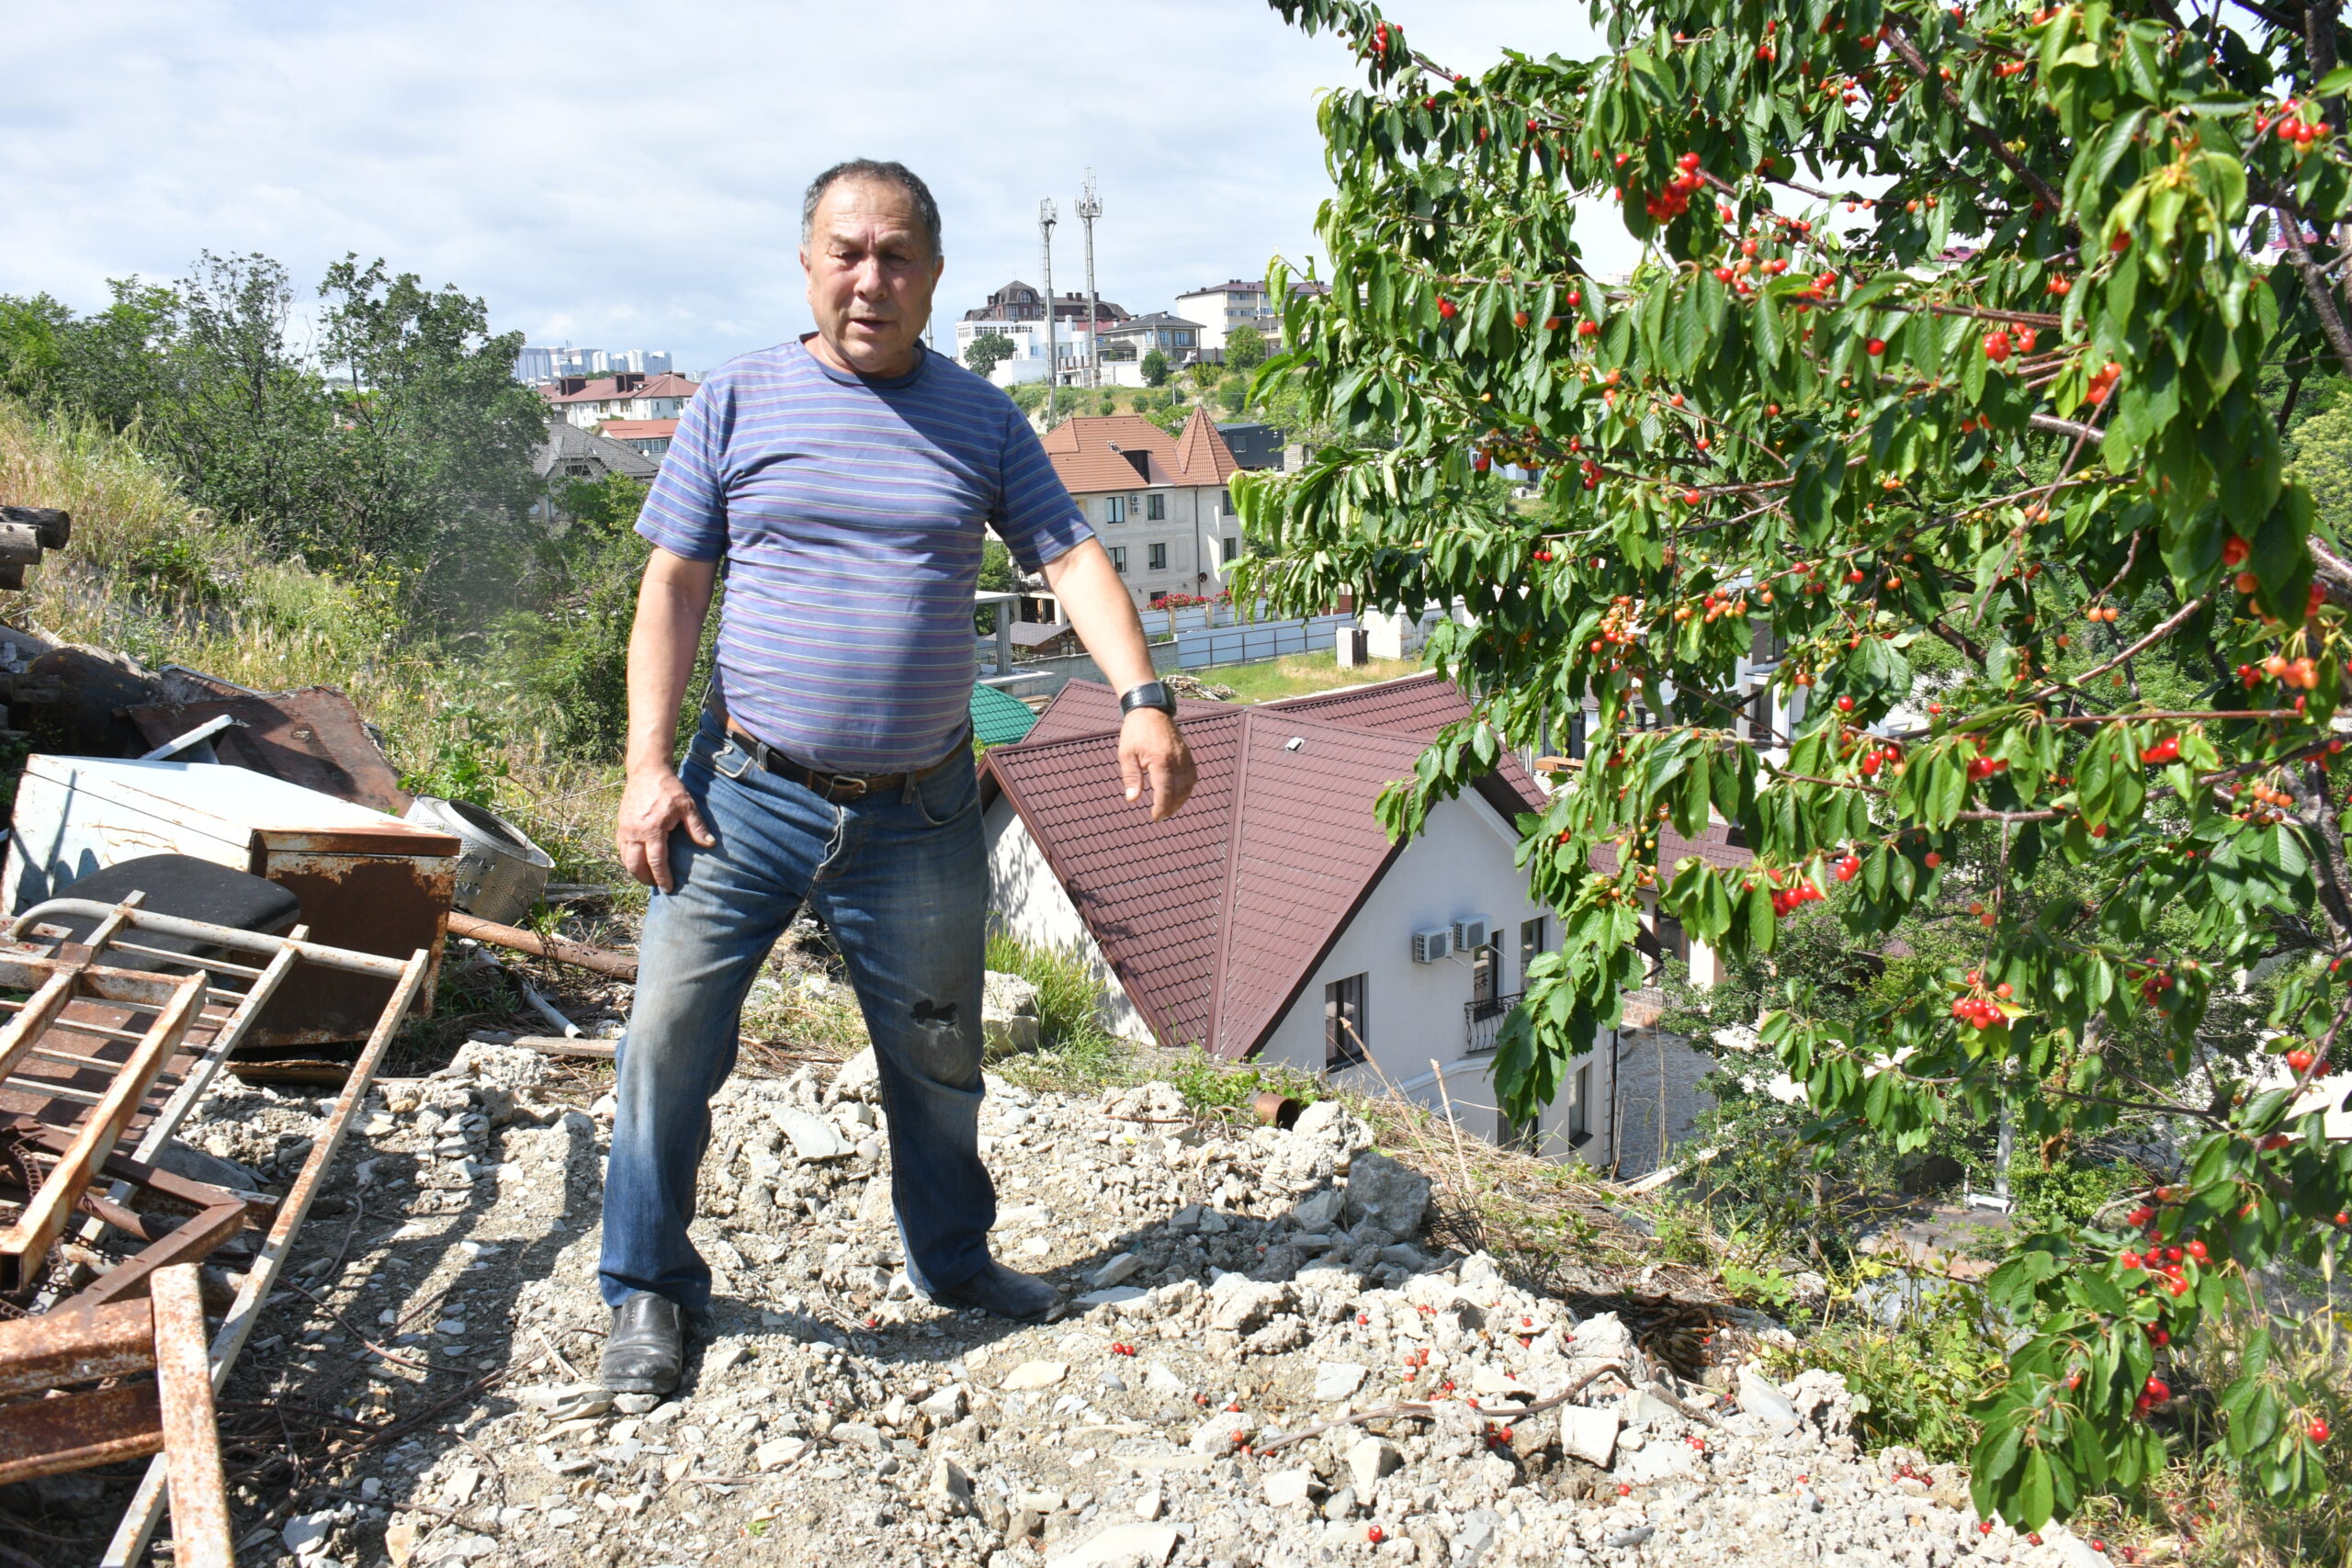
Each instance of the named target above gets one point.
<point>1117,1271</point>
<point>1335,1381</point>
<point>948,1480</point>
<point>1371,1459</point>
<point>813,1137</point>
<point>1034,1375</point>
<point>1382,1192</point>
<point>1590,1435</point>
<point>1121,1546</point>
<point>778,1454</point>
<point>1288,1488</point>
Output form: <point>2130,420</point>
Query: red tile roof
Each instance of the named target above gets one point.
<point>637,429</point>
<point>1421,706</point>
<point>668,384</point>
<point>1095,453</point>
<point>1215,918</point>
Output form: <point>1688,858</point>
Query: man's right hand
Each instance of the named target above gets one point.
<point>653,805</point>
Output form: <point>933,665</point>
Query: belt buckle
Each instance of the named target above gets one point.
<point>833,787</point>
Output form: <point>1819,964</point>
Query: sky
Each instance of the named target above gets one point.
<point>629,175</point>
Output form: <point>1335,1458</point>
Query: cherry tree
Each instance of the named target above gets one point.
<point>1941,381</point>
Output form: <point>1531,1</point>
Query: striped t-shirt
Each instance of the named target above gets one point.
<point>851,512</point>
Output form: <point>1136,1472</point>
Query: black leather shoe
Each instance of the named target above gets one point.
<point>647,1349</point>
<point>1007,1293</point>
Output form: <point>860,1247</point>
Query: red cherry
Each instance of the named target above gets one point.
<point>2129,1259</point>
<point>1689,162</point>
<point>2299,1061</point>
<point>1623,1490</point>
<point>1875,347</point>
<point>1375,1535</point>
<point>1447,309</point>
<point>2157,1390</point>
<point>2317,1430</point>
<point>1997,346</point>
<point>1931,860</point>
<point>1845,705</point>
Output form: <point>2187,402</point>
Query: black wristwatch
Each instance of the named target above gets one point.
<point>1150,694</point>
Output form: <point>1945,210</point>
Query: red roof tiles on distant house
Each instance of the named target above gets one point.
<point>1095,453</point>
<point>605,389</point>
<point>638,429</point>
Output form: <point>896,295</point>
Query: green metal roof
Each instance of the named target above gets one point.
<point>997,720</point>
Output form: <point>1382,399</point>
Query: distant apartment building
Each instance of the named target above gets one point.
<point>1158,501</point>
<point>1018,301</point>
<point>1176,336</point>
<point>1221,308</point>
<point>589,401</point>
<point>651,436</point>
<point>536,367</point>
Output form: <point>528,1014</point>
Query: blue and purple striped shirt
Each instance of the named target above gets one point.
<point>851,514</point>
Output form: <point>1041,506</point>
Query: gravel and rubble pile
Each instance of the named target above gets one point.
<point>1239,1298</point>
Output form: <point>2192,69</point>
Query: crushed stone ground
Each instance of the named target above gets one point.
<point>1230,1288</point>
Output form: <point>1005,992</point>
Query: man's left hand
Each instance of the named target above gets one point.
<point>1151,750</point>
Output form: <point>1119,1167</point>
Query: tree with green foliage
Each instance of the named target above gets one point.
<point>987,352</point>
<point>1156,368</point>
<point>1245,349</point>
<point>1950,330</point>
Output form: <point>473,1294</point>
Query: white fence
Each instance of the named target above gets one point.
<point>1258,639</point>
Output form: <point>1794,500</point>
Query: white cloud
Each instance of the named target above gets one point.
<point>629,175</point>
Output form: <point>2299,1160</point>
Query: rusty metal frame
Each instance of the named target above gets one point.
<point>139,1521</point>
<point>173,1415</point>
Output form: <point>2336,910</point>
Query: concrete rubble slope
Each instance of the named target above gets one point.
<point>1234,1285</point>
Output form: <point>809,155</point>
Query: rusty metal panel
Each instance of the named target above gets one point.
<point>75,1345</point>
<point>380,904</point>
<point>49,1436</point>
<point>313,738</point>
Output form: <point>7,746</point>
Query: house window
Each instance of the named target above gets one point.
<point>1225,503</point>
<point>1343,1023</point>
<point>1159,557</point>
<point>1114,509</point>
<point>1485,980</point>
<point>1576,735</point>
<point>1231,547</point>
<point>1119,559</point>
<point>1580,1104</point>
<point>1154,508</point>
<point>575,471</point>
<point>1159,599</point>
<point>1530,942</point>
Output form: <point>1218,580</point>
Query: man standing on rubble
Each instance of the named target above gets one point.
<point>845,480</point>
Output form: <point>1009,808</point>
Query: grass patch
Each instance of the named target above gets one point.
<point>1299,674</point>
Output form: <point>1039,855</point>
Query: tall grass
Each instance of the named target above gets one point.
<point>153,576</point>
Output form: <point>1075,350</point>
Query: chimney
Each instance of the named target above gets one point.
<point>628,382</point>
<point>565,386</point>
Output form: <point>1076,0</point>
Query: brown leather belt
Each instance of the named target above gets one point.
<point>835,787</point>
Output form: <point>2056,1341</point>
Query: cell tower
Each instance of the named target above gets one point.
<point>1045,220</point>
<point>1089,207</point>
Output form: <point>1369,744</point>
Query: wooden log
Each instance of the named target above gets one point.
<point>580,955</point>
<point>19,545</point>
<point>55,527</point>
<point>558,1045</point>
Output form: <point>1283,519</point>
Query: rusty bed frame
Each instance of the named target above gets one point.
<point>75,1025</point>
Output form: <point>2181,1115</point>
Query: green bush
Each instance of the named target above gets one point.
<point>1914,1379</point>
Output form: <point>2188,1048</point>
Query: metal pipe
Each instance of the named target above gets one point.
<point>220,936</point>
<point>196,737</point>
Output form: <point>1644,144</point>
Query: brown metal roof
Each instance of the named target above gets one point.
<point>1215,918</point>
<point>1421,706</point>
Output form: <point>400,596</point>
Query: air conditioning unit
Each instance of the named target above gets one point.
<point>1432,945</point>
<point>1470,935</point>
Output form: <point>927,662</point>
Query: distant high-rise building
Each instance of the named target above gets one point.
<point>535,367</point>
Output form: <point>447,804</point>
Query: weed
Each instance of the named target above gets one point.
<point>1213,1084</point>
<point>1914,1350</point>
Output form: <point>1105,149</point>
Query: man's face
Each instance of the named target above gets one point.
<point>871,272</point>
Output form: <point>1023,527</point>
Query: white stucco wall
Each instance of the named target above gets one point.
<point>1027,900</point>
<point>1460,866</point>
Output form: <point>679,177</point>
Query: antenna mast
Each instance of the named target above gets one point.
<point>1089,207</point>
<point>1045,220</point>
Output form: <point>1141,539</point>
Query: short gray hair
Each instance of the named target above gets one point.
<point>880,173</point>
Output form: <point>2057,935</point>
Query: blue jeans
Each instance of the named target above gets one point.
<point>902,881</point>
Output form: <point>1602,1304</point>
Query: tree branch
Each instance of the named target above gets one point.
<point>1909,50</point>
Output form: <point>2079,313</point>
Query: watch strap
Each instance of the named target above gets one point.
<point>1150,694</point>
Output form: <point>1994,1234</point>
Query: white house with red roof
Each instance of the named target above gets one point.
<point>1273,919</point>
<point>1159,502</point>
<point>589,401</point>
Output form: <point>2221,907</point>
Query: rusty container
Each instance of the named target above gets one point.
<point>366,881</point>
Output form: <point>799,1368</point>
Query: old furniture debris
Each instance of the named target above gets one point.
<point>366,881</point>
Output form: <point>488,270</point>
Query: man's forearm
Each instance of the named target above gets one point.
<point>671,605</point>
<point>1098,606</point>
